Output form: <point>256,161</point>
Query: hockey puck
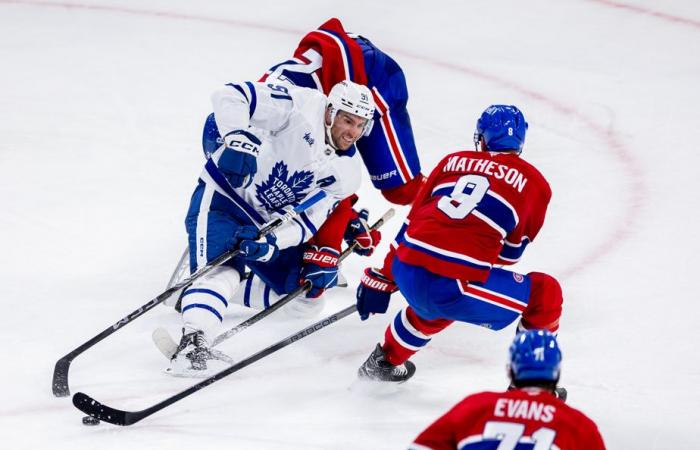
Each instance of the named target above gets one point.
<point>89,420</point>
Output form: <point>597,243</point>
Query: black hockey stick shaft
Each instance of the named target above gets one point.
<point>60,374</point>
<point>106,413</point>
<point>302,289</point>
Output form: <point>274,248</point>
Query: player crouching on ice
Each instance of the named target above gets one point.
<point>477,209</point>
<point>280,145</point>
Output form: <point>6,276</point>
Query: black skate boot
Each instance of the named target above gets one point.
<point>377,368</point>
<point>193,354</point>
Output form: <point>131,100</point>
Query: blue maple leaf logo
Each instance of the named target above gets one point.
<point>280,189</point>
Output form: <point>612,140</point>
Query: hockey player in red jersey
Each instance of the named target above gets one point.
<point>526,417</point>
<point>329,55</point>
<point>477,209</point>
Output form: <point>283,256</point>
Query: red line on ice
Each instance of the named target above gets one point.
<point>648,12</point>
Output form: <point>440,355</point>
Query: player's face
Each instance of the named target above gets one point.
<point>347,128</point>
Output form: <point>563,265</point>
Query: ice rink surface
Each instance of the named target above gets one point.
<point>101,108</point>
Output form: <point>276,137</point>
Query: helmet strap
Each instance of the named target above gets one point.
<point>328,126</point>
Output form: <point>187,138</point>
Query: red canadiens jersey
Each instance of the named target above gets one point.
<point>521,419</point>
<point>325,56</point>
<point>475,210</point>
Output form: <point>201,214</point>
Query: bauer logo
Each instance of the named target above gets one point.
<point>384,176</point>
<point>518,278</point>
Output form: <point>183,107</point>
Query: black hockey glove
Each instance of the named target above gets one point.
<point>374,293</point>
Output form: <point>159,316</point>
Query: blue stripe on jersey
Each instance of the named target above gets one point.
<point>445,191</point>
<point>308,223</point>
<point>246,293</point>
<point>514,252</point>
<point>490,444</point>
<point>300,78</point>
<point>206,291</point>
<point>303,230</point>
<point>239,89</point>
<point>400,235</point>
<point>495,210</point>
<point>253,98</point>
<point>347,52</point>
<point>489,206</point>
<point>407,336</point>
<point>447,258</point>
<point>203,306</point>
<point>220,180</point>
<point>266,297</point>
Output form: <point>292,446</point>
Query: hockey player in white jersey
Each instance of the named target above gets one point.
<point>281,144</point>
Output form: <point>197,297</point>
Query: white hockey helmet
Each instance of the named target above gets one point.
<point>352,98</point>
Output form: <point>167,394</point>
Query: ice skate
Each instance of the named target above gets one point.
<point>378,369</point>
<point>194,358</point>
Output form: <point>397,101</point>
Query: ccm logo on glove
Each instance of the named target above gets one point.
<point>244,146</point>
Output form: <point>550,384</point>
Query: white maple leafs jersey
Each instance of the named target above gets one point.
<point>294,159</point>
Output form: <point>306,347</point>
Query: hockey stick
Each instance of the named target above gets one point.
<point>92,407</point>
<point>60,373</point>
<point>168,346</point>
<point>182,266</point>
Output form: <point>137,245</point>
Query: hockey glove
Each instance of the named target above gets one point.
<point>358,230</point>
<point>374,293</point>
<point>320,268</point>
<point>253,248</point>
<point>238,162</point>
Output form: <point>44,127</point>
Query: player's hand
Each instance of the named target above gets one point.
<point>320,268</point>
<point>238,162</point>
<point>253,248</point>
<point>374,293</point>
<point>358,230</point>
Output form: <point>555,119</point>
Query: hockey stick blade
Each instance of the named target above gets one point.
<point>59,383</point>
<point>97,410</point>
<point>164,342</point>
<point>106,413</point>
<point>167,345</point>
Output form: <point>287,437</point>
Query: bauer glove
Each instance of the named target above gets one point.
<point>238,162</point>
<point>320,268</point>
<point>374,293</point>
<point>358,230</point>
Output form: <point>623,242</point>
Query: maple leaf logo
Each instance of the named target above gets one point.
<point>280,189</point>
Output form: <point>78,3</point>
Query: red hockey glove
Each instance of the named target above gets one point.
<point>374,293</point>
<point>358,230</point>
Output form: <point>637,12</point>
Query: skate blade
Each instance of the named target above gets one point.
<point>185,370</point>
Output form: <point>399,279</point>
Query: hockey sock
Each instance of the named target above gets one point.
<point>408,333</point>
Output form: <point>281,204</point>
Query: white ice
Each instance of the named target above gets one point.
<point>101,108</point>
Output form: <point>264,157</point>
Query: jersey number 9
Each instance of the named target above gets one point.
<point>466,195</point>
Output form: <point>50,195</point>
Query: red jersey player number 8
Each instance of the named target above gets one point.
<point>459,203</point>
<point>510,435</point>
